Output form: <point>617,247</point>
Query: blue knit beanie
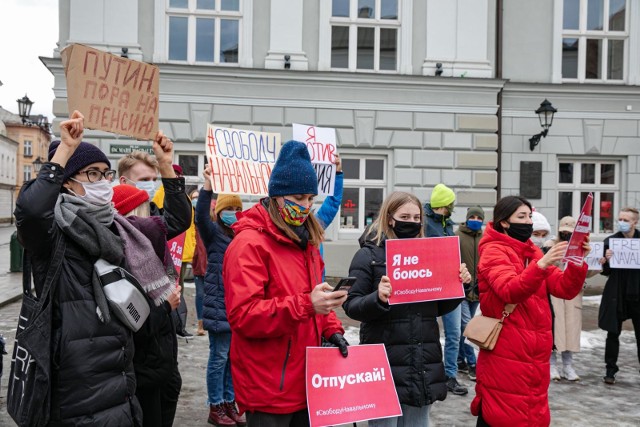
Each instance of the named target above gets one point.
<point>293,172</point>
<point>84,155</point>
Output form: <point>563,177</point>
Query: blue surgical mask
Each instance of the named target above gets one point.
<point>149,186</point>
<point>624,226</point>
<point>474,224</point>
<point>194,202</point>
<point>228,217</point>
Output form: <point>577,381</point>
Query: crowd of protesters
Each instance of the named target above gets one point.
<point>262,298</point>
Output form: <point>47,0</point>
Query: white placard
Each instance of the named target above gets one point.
<point>626,253</point>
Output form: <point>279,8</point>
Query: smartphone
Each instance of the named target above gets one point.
<point>345,284</point>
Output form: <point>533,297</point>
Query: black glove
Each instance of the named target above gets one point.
<point>339,341</point>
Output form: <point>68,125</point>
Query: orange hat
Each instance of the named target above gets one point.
<point>227,200</point>
<point>127,197</point>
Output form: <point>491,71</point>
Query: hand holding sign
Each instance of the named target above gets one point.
<point>554,255</point>
<point>206,174</point>
<point>465,276</point>
<point>324,300</point>
<point>384,289</point>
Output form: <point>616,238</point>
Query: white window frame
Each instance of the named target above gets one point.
<point>26,173</point>
<point>631,62</point>
<point>361,183</point>
<point>245,32</point>
<point>577,187</point>
<point>403,25</point>
<point>27,148</point>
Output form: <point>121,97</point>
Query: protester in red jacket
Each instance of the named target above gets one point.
<point>276,303</point>
<point>513,379</point>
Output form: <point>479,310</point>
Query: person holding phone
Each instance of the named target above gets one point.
<point>409,332</point>
<point>277,304</point>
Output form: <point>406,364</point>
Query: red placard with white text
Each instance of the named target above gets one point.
<point>175,250</point>
<point>575,252</point>
<point>343,390</point>
<point>424,269</point>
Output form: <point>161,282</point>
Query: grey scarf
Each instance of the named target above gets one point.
<point>88,226</point>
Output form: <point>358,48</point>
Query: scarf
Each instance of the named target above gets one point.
<point>89,225</point>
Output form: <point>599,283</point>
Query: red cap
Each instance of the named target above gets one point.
<point>127,197</point>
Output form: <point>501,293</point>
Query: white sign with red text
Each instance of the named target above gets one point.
<point>349,389</point>
<point>321,143</point>
<point>424,269</point>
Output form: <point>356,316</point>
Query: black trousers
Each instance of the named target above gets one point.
<point>612,345</point>
<point>263,419</point>
<point>159,403</point>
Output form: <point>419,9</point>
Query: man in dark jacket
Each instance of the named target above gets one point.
<point>621,295</point>
<point>470,234</point>
<point>92,375</point>
<point>438,224</point>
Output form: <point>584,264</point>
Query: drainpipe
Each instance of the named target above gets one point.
<point>499,100</point>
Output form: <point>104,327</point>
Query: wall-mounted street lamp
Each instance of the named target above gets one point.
<point>37,164</point>
<point>545,114</point>
<point>24,111</point>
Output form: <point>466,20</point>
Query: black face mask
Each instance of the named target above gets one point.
<point>521,232</point>
<point>565,237</point>
<point>406,229</point>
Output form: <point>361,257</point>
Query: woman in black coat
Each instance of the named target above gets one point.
<point>409,331</point>
<point>92,374</point>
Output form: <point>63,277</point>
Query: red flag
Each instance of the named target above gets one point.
<point>575,252</point>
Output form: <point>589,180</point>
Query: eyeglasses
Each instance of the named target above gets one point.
<point>94,175</point>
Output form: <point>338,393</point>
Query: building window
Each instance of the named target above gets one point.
<point>192,167</point>
<point>26,173</point>
<point>577,178</point>
<point>595,37</point>
<point>364,35</point>
<point>27,148</point>
<point>204,31</point>
<point>365,182</point>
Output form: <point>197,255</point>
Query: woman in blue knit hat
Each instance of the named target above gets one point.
<point>66,213</point>
<point>277,305</point>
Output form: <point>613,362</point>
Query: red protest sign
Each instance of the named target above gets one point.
<point>356,388</point>
<point>115,94</point>
<point>575,252</point>
<point>175,250</point>
<point>425,269</point>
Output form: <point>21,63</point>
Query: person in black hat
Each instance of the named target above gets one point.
<point>276,301</point>
<point>70,201</point>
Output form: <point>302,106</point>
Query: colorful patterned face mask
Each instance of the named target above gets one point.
<point>293,213</point>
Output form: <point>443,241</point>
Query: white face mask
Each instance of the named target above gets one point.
<point>98,193</point>
<point>149,186</point>
<point>538,241</point>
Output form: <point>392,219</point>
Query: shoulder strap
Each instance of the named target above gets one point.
<point>52,272</point>
<point>508,308</point>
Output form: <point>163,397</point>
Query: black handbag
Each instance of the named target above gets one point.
<point>29,391</point>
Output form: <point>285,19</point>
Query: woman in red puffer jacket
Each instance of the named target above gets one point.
<point>513,379</point>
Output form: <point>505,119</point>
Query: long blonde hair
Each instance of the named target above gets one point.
<point>390,206</point>
<point>316,232</point>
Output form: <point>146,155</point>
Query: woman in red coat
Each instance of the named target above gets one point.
<point>513,379</point>
<point>277,304</point>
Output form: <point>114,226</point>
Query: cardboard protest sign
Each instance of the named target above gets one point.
<point>626,253</point>
<point>114,94</point>
<point>575,252</point>
<point>593,259</point>
<point>425,269</point>
<point>344,390</point>
<point>176,246</point>
<point>321,143</point>
<point>241,160</point>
